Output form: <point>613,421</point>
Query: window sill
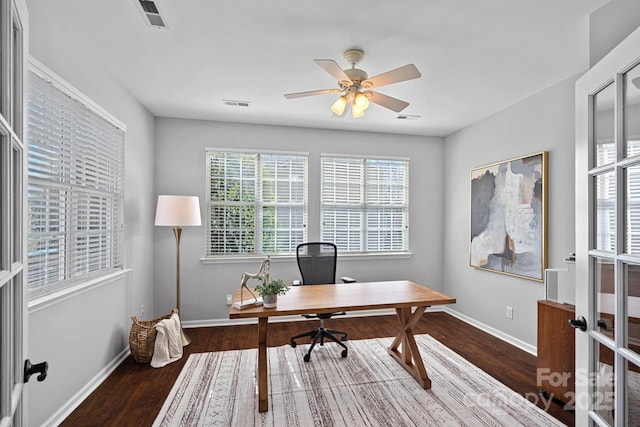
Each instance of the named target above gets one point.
<point>64,294</point>
<point>284,258</point>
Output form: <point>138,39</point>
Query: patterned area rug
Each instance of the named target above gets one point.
<point>367,388</point>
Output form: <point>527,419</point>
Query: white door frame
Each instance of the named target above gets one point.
<point>607,70</point>
<point>13,214</point>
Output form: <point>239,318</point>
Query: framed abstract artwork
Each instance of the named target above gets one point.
<point>509,217</point>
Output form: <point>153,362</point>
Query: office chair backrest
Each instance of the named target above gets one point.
<point>317,263</point>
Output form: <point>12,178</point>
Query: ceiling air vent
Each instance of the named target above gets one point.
<point>234,103</point>
<point>151,14</point>
<point>407,117</point>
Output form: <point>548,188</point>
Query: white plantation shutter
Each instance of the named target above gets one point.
<point>75,190</point>
<point>365,203</point>
<point>257,202</point>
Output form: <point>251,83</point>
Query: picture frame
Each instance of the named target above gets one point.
<point>509,217</point>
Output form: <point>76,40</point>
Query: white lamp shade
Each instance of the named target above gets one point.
<point>178,211</point>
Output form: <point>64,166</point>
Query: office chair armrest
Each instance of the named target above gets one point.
<point>346,279</point>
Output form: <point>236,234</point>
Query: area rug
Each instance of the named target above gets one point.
<point>367,388</point>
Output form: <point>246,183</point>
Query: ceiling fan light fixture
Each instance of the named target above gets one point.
<point>339,106</point>
<point>361,101</point>
<point>356,111</point>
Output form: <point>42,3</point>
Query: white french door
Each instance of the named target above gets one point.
<point>608,239</point>
<point>13,314</point>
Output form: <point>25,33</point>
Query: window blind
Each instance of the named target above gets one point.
<point>365,204</point>
<point>75,190</point>
<point>257,202</point>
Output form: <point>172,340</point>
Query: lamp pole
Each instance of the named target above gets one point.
<point>177,232</point>
<point>177,212</point>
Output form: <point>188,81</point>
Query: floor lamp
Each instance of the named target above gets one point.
<point>178,212</point>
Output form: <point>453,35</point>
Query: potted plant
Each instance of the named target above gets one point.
<point>269,289</point>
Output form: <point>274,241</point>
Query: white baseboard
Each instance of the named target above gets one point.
<point>496,333</point>
<point>59,416</point>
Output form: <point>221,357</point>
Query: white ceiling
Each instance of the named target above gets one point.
<point>476,56</point>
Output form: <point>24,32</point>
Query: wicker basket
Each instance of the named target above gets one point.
<point>142,337</point>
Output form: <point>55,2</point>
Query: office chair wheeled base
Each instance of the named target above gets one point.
<point>319,335</point>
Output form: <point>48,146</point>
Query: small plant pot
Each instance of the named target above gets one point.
<point>270,301</point>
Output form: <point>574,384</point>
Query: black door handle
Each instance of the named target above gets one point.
<point>602,324</point>
<point>579,323</point>
<point>39,368</point>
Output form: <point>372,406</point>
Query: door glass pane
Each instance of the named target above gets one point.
<point>605,296</point>
<point>3,51</point>
<point>16,327</point>
<point>632,285</point>
<point>4,162</point>
<point>604,384</point>
<point>632,210</point>
<point>632,111</point>
<point>16,71</point>
<point>604,126</point>
<point>6,337</point>
<point>605,188</point>
<point>633,394</point>
<point>17,207</point>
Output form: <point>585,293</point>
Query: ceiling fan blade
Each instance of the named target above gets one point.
<point>401,74</point>
<point>332,67</point>
<point>311,93</point>
<point>389,102</point>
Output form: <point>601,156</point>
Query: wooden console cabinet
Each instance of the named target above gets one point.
<point>556,350</point>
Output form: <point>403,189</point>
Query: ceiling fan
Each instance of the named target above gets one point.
<point>355,85</point>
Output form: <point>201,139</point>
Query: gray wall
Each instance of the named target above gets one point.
<point>543,122</point>
<point>81,335</point>
<point>180,169</point>
<point>611,24</point>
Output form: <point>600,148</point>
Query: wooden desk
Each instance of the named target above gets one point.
<point>313,299</point>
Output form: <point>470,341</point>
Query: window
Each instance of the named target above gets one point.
<point>257,202</point>
<point>365,203</point>
<point>75,187</point>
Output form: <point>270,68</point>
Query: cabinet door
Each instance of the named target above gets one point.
<point>556,350</point>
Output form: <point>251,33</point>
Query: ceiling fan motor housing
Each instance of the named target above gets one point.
<point>356,75</point>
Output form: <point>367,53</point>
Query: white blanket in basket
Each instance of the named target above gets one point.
<point>168,345</point>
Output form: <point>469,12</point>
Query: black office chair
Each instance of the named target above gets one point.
<point>317,264</point>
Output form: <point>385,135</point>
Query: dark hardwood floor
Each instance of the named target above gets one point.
<point>134,393</point>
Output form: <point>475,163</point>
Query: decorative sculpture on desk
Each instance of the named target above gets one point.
<point>244,278</point>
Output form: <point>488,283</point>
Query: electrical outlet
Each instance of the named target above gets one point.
<point>229,299</point>
<point>509,312</point>
<point>142,311</point>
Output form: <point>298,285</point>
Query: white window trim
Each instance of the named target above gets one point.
<point>365,156</point>
<point>256,151</point>
<point>61,84</point>
<point>59,295</point>
<point>215,259</point>
<point>377,254</point>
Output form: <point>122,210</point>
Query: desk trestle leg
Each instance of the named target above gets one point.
<point>263,377</point>
<point>404,348</point>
